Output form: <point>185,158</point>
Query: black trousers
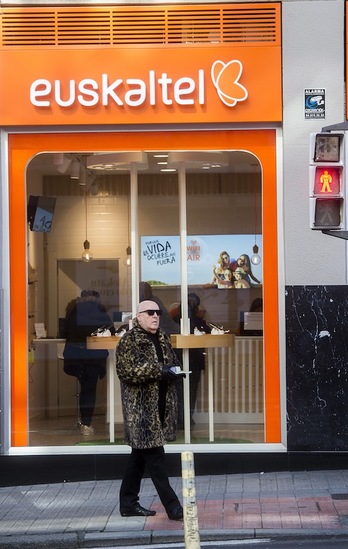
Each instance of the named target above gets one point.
<point>88,379</point>
<point>154,460</point>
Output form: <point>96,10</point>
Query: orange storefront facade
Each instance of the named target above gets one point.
<point>177,89</point>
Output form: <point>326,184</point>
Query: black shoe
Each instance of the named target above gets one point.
<point>176,514</point>
<point>137,511</point>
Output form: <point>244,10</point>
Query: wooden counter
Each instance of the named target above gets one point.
<point>101,342</point>
<point>192,341</point>
<point>179,341</point>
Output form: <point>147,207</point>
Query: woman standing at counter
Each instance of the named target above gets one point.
<point>83,316</point>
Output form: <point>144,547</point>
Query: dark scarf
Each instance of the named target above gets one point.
<point>162,384</point>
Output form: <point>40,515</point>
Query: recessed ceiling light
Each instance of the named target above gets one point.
<point>197,160</point>
<point>168,170</point>
<point>117,160</point>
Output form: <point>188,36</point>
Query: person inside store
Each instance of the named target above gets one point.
<point>222,274</point>
<point>243,264</point>
<point>257,305</point>
<point>145,361</point>
<point>239,279</point>
<point>196,356</point>
<point>85,315</point>
<point>166,322</point>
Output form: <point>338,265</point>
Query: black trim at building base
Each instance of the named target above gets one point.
<point>27,470</point>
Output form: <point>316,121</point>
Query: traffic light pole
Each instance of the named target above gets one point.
<point>338,234</point>
<point>341,127</point>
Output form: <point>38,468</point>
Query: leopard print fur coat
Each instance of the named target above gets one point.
<point>140,372</point>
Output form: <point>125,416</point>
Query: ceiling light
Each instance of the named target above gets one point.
<point>82,175</point>
<point>128,258</point>
<point>87,255</point>
<point>117,160</point>
<point>61,162</point>
<point>198,159</point>
<point>255,258</point>
<point>75,169</point>
<point>58,159</point>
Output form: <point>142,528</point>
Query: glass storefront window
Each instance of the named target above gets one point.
<point>96,209</point>
<point>135,218</point>
<point>225,221</point>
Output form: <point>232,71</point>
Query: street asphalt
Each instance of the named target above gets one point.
<point>306,504</point>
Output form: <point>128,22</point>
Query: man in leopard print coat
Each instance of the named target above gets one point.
<point>144,362</point>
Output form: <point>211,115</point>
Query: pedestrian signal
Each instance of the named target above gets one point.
<point>328,213</point>
<point>326,180</point>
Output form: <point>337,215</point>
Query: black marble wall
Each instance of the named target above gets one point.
<point>317,367</point>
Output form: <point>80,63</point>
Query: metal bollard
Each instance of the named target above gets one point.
<point>192,540</point>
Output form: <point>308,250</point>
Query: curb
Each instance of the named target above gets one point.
<point>88,540</point>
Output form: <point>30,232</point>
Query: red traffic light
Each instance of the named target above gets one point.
<point>327,181</point>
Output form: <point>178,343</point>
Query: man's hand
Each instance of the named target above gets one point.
<point>168,374</point>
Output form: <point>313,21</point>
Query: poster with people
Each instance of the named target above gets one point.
<point>221,261</point>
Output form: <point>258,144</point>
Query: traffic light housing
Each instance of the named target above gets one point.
<point>327,181</point>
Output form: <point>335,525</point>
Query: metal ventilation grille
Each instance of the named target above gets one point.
<point>141,25</point>
<point>83,27</point>
<point>256,23</point>
<point>27,29</point>
<point>249,25</point>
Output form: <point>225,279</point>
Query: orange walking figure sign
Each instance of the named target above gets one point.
<point>326,180</point>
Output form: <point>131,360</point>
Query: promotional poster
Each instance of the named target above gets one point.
<point>223,261</point>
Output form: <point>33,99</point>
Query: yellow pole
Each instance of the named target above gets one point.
<point>191,530</point>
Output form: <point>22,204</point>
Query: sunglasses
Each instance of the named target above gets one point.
<point>151,312</point>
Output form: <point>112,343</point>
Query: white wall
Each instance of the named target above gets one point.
<point>313,56</point>
<point>107,233</point>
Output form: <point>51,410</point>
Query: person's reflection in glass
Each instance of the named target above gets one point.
<point>85,315</point>
<point>196,356</point>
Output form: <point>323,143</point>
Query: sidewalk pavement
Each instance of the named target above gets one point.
<point>236,506</point>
